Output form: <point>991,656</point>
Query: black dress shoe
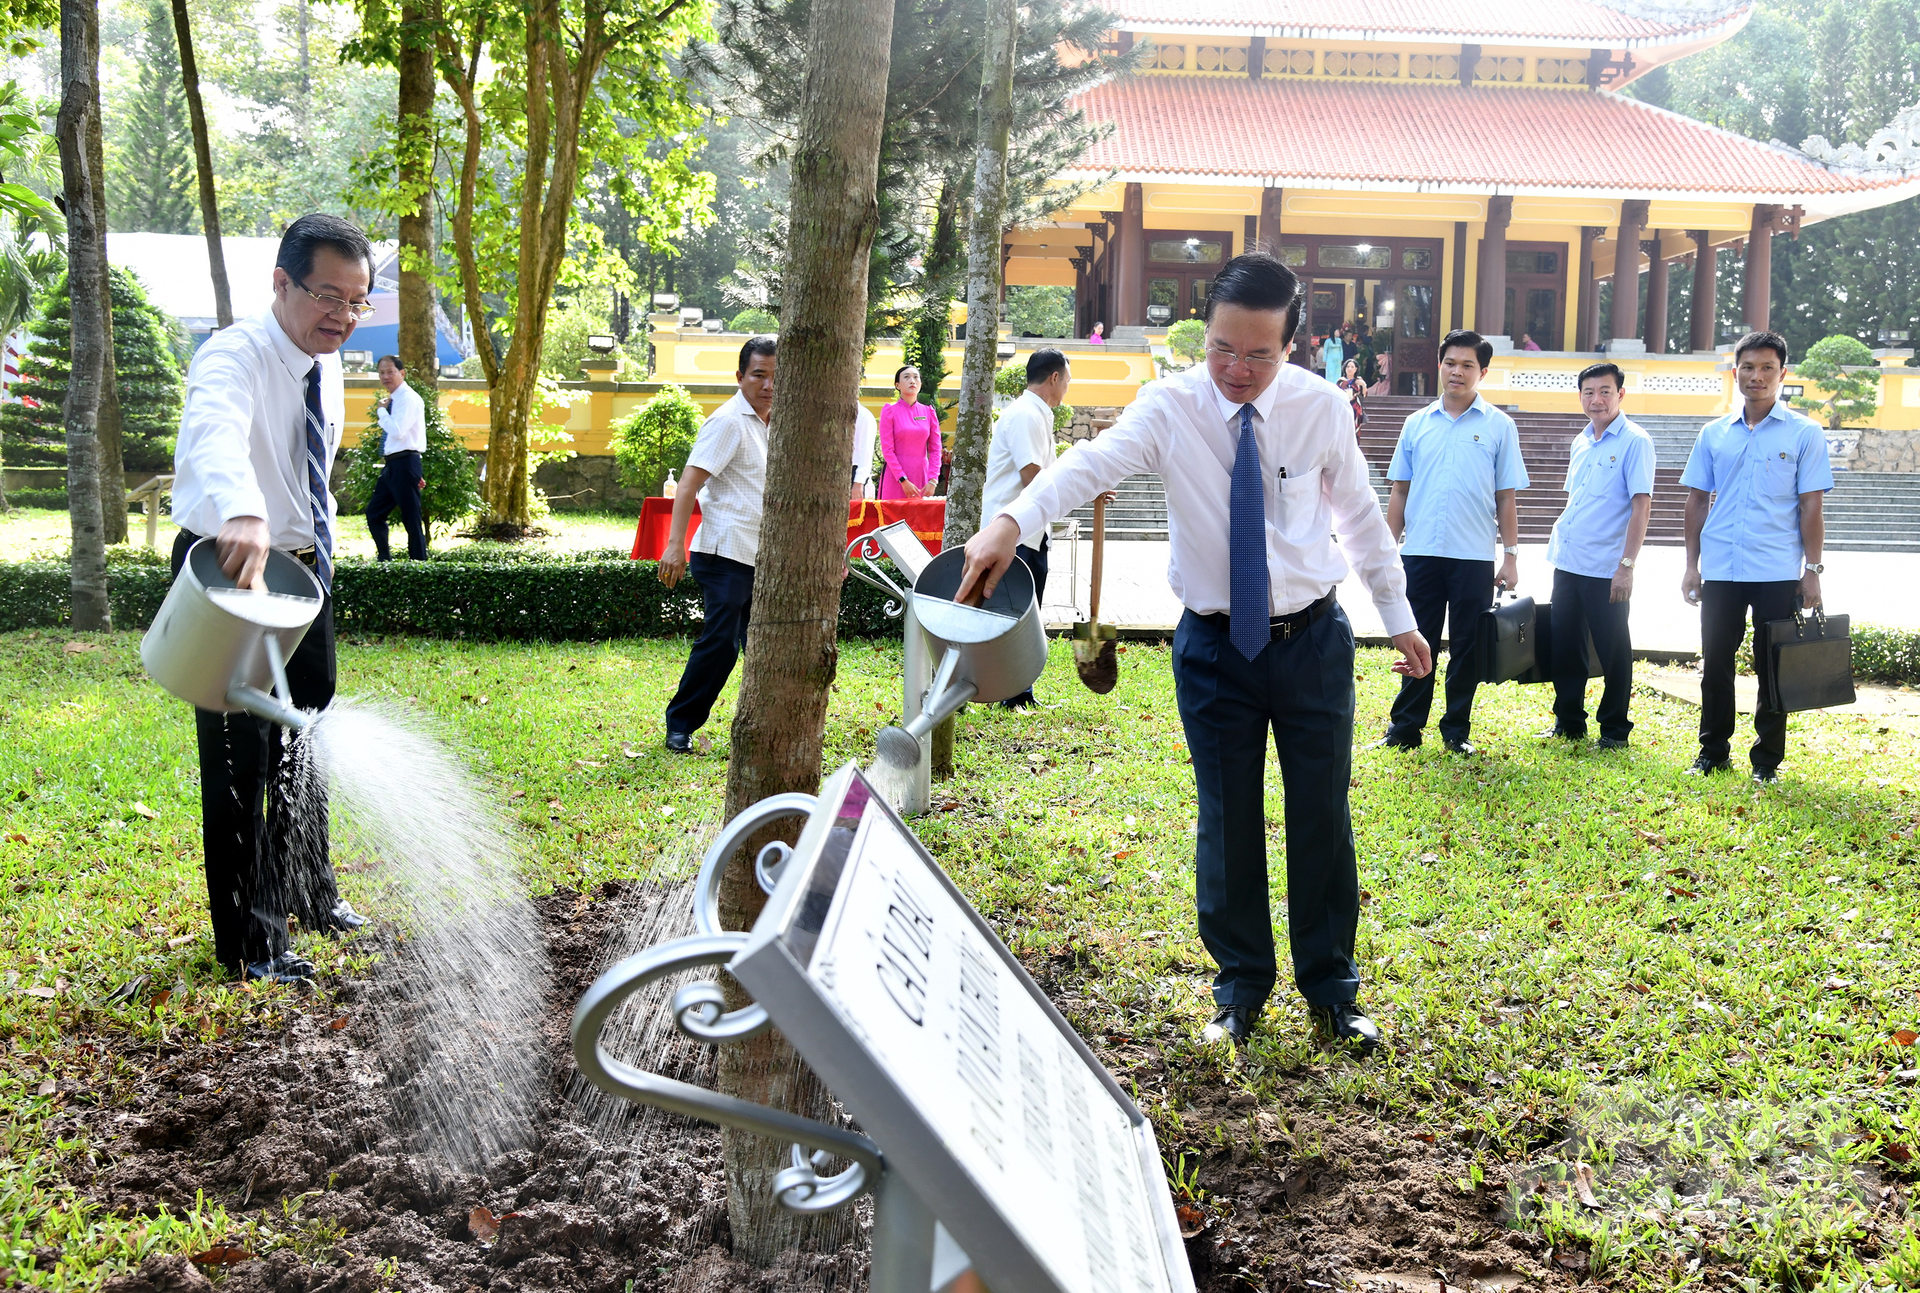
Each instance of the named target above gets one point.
<point>1766,776</point>
<point>1345,1023</point>
<point>1231,1022</point>
<point>343,919</point>
<point>1392,742</point>
<point>1611,743</point>
<point>288,968</point>
<point>680,742</point>
<point>1559,733</point>
<point>1705,767</point>
<point>1464,749</point>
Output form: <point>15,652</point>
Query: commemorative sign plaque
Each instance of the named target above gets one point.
<point>978,1092</point>
<point>993,1139</point>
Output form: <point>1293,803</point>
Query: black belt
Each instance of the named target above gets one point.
<point>403,453</point>
<point>306,556</point>
<point>1283,626</point>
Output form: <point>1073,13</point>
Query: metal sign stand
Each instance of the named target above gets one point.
<point>898,543</point>
<point>993,1129</point>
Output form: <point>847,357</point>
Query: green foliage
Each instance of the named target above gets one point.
<point>755,320</point>
<point>1062,419</point>
<point>584,313</point>
<point>1849,396</point>
<point>152,182</point>
<point>23,146</point>
<point>146,366</point>
<point>1039,311</point>
<point>656,438</point>
<point>1011,380</point>
<point>1187,339</point>
<point>582,597</point>
<point>452,488</point>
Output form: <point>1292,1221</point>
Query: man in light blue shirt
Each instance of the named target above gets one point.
<point>1595,543</point>
<point>1454,473</point>
<point>1755,485</point>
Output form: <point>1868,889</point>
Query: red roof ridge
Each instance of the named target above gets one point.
<point>1613,23</point>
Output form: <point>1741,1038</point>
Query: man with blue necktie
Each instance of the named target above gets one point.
<point>261,425</point>
<point>1261,469</point>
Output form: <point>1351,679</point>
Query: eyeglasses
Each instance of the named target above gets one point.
<point>334,305</point>
<point>1227,359</point>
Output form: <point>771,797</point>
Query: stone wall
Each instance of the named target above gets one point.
<point>587,481</point>
<point>1882,450</point>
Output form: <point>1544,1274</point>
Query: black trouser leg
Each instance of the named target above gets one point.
<point>1301,688</point>
<point>1582,607</point>
<point>1427,594</point>
<point>1607,620</point>
<point>1776,600</point>
<point>1036,559</point>
<point>1569,662</point>
<point>379,507</point>
<point>1723,623</point>
<point>263,859</point>
<point>726,593</point>
<point>1457,592</point>
<point>398,487</point>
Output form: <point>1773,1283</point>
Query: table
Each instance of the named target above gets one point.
<point>926,517</point>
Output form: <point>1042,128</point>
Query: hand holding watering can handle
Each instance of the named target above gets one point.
<point>241,547</point>
<point>989,554</point>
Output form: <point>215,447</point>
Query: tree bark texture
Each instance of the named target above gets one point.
<point>113,483</point>
<point>86,274</point>
<point>973,424</point>
<point>413,146</point>
<point>203,166</point>
<point>792,652</point>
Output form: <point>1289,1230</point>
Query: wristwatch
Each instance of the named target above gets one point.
<point>1627,562</point>
<point>1511,552</point>
<point>1816,567</point>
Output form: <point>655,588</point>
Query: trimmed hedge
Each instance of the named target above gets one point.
<point>551,600</point>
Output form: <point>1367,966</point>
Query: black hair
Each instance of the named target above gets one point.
<point>1350,363</point>
<point>1044,363</point>
<point>1602,369</point>
<point>1761,341</point>
<point>904,368</point>
<point>310,233</point>
<point>1257,280</point>
<point>1482,348</point>
<point>754,346</point>
<point>391,359</point>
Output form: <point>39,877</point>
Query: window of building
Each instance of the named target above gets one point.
<point>1293,255</point>
<point>1533,262</point>
<point>1354,256</point>
<point>1187,251</point>
<point>1416,258</point>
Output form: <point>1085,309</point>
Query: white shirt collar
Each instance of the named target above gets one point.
<point>298,362</point>
<point>740,404</point>
<point>1043,406</point>
<point>1262,403</point>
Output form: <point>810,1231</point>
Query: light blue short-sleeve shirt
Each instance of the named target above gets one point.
<point>1455,467</point>
<point>1758,474</point>
<point>1602,478</point>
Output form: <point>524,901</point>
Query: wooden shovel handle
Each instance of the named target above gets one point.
<point>1099,556</point>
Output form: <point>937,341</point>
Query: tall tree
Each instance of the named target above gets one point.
<point>779,727</point>
<point>551,109</point>
<point>153,183</point>
<point>203,164</point>
<point>86,271</point>
<point>974,423</point>
<point>107,421</point>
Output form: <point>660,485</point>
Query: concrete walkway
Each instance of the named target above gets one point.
<point>1873,587</point>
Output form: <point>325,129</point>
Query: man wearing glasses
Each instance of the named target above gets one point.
<point>258,434</point>
<point>1261,468</point>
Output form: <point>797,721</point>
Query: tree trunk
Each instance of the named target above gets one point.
<point>113,482</point>
<point>792,654</point>
<point>203,166</point>
<point>974,422</point>
<point>86,274</point>
<point>413,145</point>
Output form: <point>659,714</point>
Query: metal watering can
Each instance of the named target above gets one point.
<point>988,652</point>
<point>222,647</point>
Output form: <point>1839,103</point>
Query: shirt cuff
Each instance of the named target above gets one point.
<point>1397,616</point>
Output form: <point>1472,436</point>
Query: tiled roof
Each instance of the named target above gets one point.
<point>1437,137</point>
<point>1484,21</point>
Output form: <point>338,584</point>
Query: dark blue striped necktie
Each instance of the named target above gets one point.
<point>1249,626</point>
<point>316,424</point>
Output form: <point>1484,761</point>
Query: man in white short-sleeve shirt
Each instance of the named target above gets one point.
<point>1021,447</point>
<point>727,472</point>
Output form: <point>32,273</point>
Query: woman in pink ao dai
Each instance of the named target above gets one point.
<point>909,440</point>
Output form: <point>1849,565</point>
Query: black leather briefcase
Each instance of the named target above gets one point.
<point>1505,641</point>
<point>1543,648</point>
<point>1812,658</point>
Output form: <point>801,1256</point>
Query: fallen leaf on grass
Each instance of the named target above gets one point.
<point>1905,1037</point>
<point>484,1225</point>
<point>159,999</point>
<point>17,838</point>
<point>182,941</point>
<point>1897,1152</point>
<point>338,1024</point>
<point>221,1255</point>
<point>1192,1220</point>
<point>1583,1186</point>
<point>518,794</point>
<point>1654,838</point>
<point>666,810</point>
<point>1120,854</point>
<point>47,1088</point>
<point>1426,1137</point>
<point>44,993</point>
<point>589,763</point>
<point>1572,1261</point>
<point>126,991</point>
<point>1837,984</point>
<point>80,648</point>
<point>141,810</point>
<point>703,743</point>
<point>629,751</point>
<point>1675,891</point>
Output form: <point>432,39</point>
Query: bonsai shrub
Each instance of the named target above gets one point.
<point>1187,340</point>
<point>1850,396</point>
<point>656,438</point>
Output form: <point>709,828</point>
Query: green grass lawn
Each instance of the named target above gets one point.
<point>1696,989</point>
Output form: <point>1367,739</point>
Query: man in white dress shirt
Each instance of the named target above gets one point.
<point>865,429</point>
<point>403,424</point>
<point>1261,469</point>
<point>727,473</point>
<point>258,435</point>
<point>1021,446</point>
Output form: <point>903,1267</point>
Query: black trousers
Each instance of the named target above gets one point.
<point>263,861</point>
<point>1036,559</point>
<point>726,593</point>
<point>399,487</point>
<point>1301,689</point>
<point>1580,606</point>
<point>1723,623</point>
<point>1456,592</point>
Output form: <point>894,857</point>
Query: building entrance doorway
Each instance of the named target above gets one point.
<point>1180,269</point>
<point>1386,292</point>
<point>1536,294</point>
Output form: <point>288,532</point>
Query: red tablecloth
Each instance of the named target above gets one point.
<point>928,517</point>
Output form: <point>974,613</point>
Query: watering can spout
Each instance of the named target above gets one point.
<point>899,747</point>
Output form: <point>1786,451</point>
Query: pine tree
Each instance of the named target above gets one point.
<point>153,188</point>
<point>152,387</point>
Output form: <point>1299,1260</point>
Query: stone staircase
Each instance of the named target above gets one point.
<point>1139,511</point>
